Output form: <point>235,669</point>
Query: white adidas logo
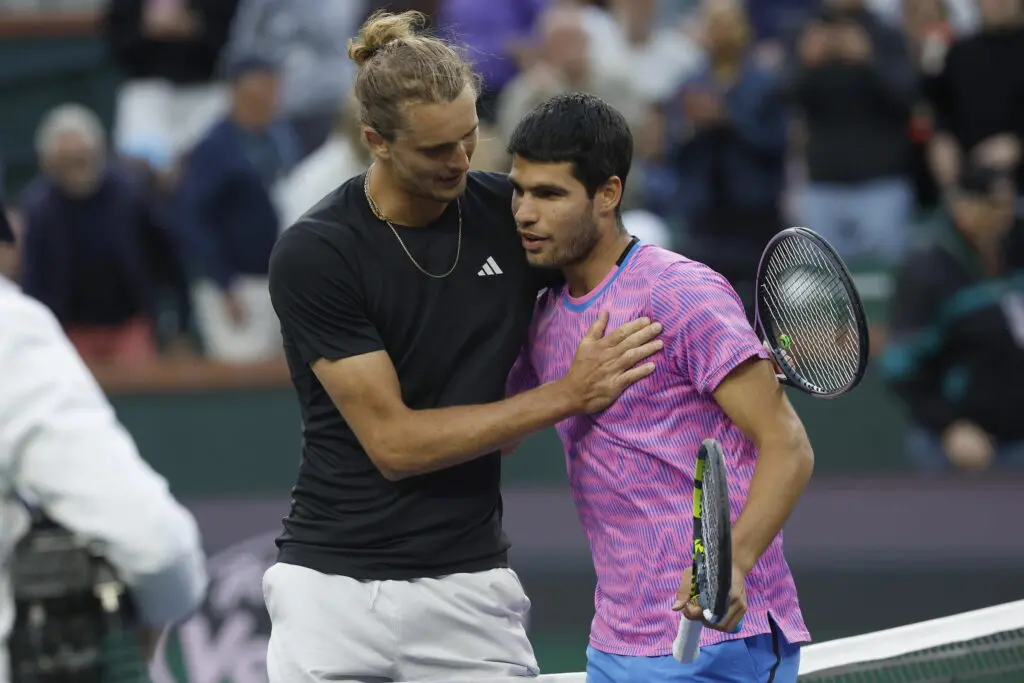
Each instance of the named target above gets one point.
<point>490,268</point>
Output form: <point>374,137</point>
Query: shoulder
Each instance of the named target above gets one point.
<point>685,286</point>
<point>928,265</point>
<point>762,70</point>
<point>885,31</point>
<point>314,239</point>
<point>489,185</point>
<point>336,219</point>
<point>489,206</point>
<point>963,48</point>
<point>667,268</point>
<point>324,242</point>
<point>34,197</point>
<point>128,183</point>
<point>220,137</point>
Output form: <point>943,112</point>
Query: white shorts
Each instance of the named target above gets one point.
<point>461,627</point>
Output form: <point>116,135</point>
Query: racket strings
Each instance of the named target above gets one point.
<point>711,533</point>
<point>808,305</point>
<point>812,354</point>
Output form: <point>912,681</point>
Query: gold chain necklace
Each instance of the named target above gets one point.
<point>380,216</point>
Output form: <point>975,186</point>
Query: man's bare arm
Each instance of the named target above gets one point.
<point>403,442</point>
<point>944,160</point>
<point>754,400</point>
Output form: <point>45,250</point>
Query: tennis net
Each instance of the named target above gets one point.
<point>981,646</point>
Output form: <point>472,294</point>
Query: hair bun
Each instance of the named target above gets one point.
<point>380,30</point>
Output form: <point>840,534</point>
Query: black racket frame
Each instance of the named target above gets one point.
<point>714,473</point>
<point>768,334</point>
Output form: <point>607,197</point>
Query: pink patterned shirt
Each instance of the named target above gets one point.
<point>631,466</point>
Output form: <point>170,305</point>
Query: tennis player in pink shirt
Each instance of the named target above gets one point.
<point>631,466</point>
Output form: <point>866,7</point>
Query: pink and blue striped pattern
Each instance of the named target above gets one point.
<point>631,466</point>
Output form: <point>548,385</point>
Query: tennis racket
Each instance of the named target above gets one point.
<point>810,315</point>
<point>712,548</point>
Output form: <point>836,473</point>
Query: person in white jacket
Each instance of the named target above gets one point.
<point>62,447</point>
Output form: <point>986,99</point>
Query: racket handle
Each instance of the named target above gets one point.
<point>686,647</point>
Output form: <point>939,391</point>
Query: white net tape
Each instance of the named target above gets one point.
<point>904,640</point>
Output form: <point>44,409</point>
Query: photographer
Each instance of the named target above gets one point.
<point>852,82</point>
<point>62,448</point>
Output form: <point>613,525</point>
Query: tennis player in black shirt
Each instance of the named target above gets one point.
<point>404,297</point>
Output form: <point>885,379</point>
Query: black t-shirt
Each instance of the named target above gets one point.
<point>978,94</point>
<point>343,286</point>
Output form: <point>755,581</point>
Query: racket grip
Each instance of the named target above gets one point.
<point>686,647</point>
<point>739,627</point>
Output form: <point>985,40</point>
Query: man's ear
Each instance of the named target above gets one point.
<point>378,146</point>
<point>609,196</point>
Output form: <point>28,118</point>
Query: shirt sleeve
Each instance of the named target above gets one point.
<point>317,295</point>
<point>522,377</point>
<point>706,331</point>
<point>62,447</point>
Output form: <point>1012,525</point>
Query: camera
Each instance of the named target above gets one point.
<point>74,620</point>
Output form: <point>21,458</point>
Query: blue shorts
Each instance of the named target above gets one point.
<point>767,658</point>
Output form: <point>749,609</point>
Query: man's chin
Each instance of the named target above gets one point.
<point>539,259</point>
<point>450,194</point>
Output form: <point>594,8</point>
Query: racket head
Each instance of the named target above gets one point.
<point>810,314</point>
<point>712,532</point>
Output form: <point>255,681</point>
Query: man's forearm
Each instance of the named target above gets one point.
<point>944,159</point>
<point>782,472</point>
<point>427,440</point>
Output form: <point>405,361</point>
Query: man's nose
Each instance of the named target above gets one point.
<point>461,161</point>
<point>523,211</point>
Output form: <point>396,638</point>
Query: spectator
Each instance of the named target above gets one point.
<point>977,96</point>
<point>655,57</point>
<point>427,8</point>
<point>773,20</point>
<point>956,356</point>
<point>168,51</point>
<point>343,155</point>
<point>727,147</point>
<point>930,33</point>
<point>305,37</point>
<point>494,34</point>
<point>853,84</point>
<point>90,241</point>
<point>565,64</point>
<point>227,221</point>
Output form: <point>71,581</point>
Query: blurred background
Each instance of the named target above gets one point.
<point>152,150</point>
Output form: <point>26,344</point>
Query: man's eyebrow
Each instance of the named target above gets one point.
<point>438,145</point>
<point>549,188</point>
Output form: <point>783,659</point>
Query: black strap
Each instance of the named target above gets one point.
<point>775,649</point>
<point>629,247</point>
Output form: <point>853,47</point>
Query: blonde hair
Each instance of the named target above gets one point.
<point>397,65</point>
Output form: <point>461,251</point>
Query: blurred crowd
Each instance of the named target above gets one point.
<point>891,127</point>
